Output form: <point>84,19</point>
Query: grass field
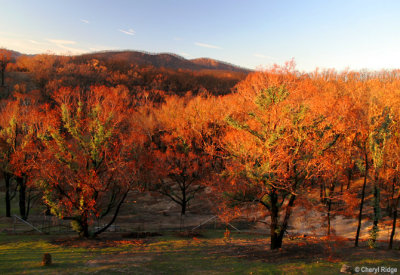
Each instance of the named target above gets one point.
<point>172,254</point>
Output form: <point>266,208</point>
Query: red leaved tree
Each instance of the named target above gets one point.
<point>186,131</point>
<point>273,145</point>
<point>90,157</point>
<point>18,129</point>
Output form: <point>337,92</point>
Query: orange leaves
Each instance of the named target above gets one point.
<point>88,151</point>
<point>277,136</point>
<point>180,149</point>
<point>18,127</point>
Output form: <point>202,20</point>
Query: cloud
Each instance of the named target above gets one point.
<point>99,48</point>
<point>64,44</point>
<point>34,42</point>
<point>61,42</point>
<point>85,21</point>
<point>262,56</point>
<point>185,54</point>
<point>204,45</point>
<point>95,49</point>
<point>129,32</point>
<point>36,45</point>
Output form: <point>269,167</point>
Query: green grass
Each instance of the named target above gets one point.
<point>23,255</point>
<point>168,254</point>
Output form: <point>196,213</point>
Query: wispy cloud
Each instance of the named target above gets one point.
<point>178,38</point>
<point>262,56</point>
<point>61,42</point>
<point>34,42</point>
<point>128,32</point>
<point>38,45</point>
<point>185,54</point>
<point>65,45</point>
<point>99,48</point>
<point>85,21</point>
<point>204,45</point>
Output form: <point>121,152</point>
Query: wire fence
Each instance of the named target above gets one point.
<point>52,225</point>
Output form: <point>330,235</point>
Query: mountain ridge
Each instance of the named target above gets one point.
<point>158,60</point>
<point>165,60</point>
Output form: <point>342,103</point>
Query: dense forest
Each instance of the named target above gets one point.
<point>82,132</point>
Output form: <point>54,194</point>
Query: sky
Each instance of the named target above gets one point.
<point>349,34</point>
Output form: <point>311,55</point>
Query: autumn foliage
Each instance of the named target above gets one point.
<point>93,131</point>
<point>90,154</point>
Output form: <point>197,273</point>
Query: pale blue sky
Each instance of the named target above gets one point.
<point>322,33</point>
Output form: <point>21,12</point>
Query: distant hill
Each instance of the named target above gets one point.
<point>165,60</point>
<point>165,72</point>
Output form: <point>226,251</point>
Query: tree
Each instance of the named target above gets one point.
<point>273,147</point>
<point>5,58</point>
<point>17,131</point>
<point>378,141</point>
<point>182,170</point>
<point>384,146</point>
<point>184,164</point>
<point>393,176</point>
<point>6,174</point>
<point>91,155</point>
<point>345,105</point>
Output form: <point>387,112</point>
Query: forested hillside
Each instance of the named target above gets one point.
<point>83,133</point>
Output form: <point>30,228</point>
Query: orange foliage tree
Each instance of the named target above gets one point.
<point>18,129</point>
<point>273,145</point>
<point>90,155</point>
<point>184,163</point>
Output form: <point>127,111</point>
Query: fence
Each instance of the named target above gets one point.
<point>40,224</point>
<point>52,225</point>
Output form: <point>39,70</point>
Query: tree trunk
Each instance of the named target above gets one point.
<point>389,208</point>
<point>84,226</point>
<point>321,192</point>
<point>22,197</point>
<point>287,217</point>
<point>2,76</point>
<point>48,211</point>
<point>114,217</point>
<point>183,207</point>
<point>7,179</point>
<point>184,200</point>
<point>329,217</point>
<point>28,204</point>
<point>277,231</point>
<point>332,189</point>
<point>375,229</point>
<point>349,177</point>
<point>276,241</point>
<point>394,223</point>
<point>362,200</point>
<point>183,204</point>
<point>393,229</point>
